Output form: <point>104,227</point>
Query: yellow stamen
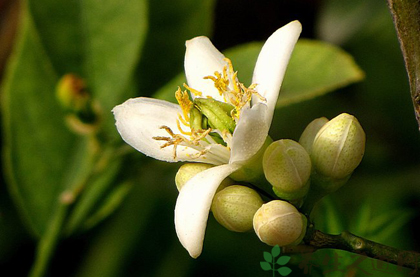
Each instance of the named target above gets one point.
<point>221,82</point>
<point>230,65</point>
<point>193,91</point>
<point>199,154</point>
<point>176,139</point>
<point>183,121</point>
<point>180,129</point>
<point>239,95</point>
<point>200,134</point>
<point>184,102</point>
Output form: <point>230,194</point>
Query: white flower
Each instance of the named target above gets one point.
<point>165,131</point>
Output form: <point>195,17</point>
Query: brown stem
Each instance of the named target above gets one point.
<point>316,239</point>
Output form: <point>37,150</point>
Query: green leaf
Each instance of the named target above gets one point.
<point>380,221</point>
<point>341,20</point>
<point>283,260</point>
<point>108,205</point>
<point>407,23</point>
<point>61,33</point>
<point>43,158</point>
<point>38,146</point>
<point>363,220</point>
<point>114,34</point>
<point>395,224</point>
<point>268,257</point>
<point>265,266</point>
<point>275,251</point>
<point>119,235</point>
<point>167,92</point>
<point>330,218</point>
<point>97,199</point>
<point>284,271</point>
<point>316,68</point>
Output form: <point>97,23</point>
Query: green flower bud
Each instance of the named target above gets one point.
<point>189,170</point>
<point>287,166</point>
<point>279,223</point>
<point>71,92</point>
<point>309,134</point>
<point>234,207</point>
<point>217,113</point>
<point>338,147</point>
<point>83,113</point>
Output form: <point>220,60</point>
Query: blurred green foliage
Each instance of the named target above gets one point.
<point>135,48</point>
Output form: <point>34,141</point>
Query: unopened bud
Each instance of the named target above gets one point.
<point>189,170</point>
<point>279,223</point>
<point>83,113</point>
<point>308,136</point>
<point>338,147</point>
<point>287,166</point>
<point>234,207</point>
<point>71,92</point>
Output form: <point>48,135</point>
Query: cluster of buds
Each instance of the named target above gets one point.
<point>336,148</point>
<point>303,172</point>
<point>299,174</point>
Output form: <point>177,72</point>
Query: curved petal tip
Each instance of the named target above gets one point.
<point>296,25</point>
<point>272,63</point>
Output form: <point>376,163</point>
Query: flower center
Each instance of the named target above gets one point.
<point>206,121</point>
<point>233,91</point>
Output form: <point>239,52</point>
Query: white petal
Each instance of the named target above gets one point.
<point>203,59</point>
<point>138,120</point>
<point>193,206</point>
<point>272,62</point>
<point>250,133</point>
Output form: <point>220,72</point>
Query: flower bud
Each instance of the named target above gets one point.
<point>338,147</point>
<point>279,223</point>
<point>71,92</point>
<point>234,207</point>
<point>308,135</point>
<point>189,170</point>
<point>83,114</point>
<point>287,166</point>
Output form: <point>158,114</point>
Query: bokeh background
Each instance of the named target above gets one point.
<point>381,201</point>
